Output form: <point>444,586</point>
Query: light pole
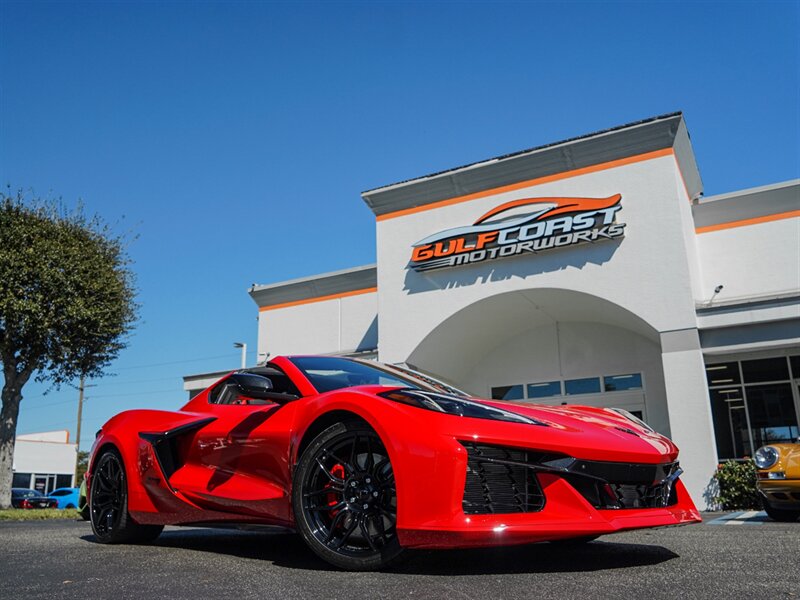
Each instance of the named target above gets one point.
<point>243,346</point>
<point>81,387</point>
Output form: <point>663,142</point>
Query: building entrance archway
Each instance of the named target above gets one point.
<point>551,346</point>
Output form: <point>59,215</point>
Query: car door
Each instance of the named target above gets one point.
<point>239,462</point>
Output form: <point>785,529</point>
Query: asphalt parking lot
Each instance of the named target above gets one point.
<point>747,557</point>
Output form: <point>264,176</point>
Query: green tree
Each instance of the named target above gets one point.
<point>82,466</point>
<point>67,303</point>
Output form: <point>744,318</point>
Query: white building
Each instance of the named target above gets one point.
<point>589,271</point>
<point>44,461</point>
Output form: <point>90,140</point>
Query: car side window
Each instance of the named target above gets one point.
<point>224,393</point>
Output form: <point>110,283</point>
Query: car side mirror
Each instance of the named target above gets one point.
<point>253,386</point>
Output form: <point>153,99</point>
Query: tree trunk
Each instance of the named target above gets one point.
<point>11,395</point>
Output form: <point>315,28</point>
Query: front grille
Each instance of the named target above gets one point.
<point>503,480</point>
<point>499,482</point>
<point>611,494</point>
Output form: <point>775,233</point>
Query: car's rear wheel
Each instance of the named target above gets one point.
<point>781,514</point>
<point>108,505</point>
<point>345,499</point>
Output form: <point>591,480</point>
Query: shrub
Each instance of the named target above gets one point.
<point>737,485</point>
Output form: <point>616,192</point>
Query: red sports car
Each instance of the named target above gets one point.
<point>365,460</point>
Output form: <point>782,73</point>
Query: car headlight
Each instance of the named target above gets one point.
<point>454,405</point>
<point>766,457</point>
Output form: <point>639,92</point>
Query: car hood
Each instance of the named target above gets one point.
<point>585,428</point>
<point>585,432</point>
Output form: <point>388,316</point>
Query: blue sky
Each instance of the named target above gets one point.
<point>234,138</point>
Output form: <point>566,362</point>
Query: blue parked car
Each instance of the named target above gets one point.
<point>67,497</point>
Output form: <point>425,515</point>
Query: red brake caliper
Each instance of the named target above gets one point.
<point>332,498</point>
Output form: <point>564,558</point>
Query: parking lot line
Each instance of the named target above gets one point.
<point>748,517</point>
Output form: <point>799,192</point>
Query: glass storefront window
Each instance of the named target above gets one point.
<point>588,385</point>
<point>766,369</point>
<point>794,361</point>
<point>723,374</point>
<point>730,423</point>
<point>544,390</point>
<point>772,413</point>
<point>618,383</point>
<point>507,392</point>
<point>762,409</point>
<point>21,480</point>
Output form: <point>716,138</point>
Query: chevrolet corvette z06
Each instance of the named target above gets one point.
<point>366,460</point>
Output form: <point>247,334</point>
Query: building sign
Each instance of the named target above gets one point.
<point>528,225</point>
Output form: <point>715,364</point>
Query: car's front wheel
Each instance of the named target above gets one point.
<point>345,499</point>
<point>108,505</point>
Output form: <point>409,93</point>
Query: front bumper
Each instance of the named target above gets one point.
<point>781,493</point>
<point>566,514</point>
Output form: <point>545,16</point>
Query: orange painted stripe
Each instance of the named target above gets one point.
<point>745,222</point>
<point>319,299</point>
<point>530,182</point>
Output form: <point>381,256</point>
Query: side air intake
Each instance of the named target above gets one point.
<point>499,481</point>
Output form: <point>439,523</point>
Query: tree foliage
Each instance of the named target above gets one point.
<point>82,466</point>
<point>66,291</point>
<point>67,302</point>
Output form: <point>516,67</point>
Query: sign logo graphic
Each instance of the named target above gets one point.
<point>528,225</point>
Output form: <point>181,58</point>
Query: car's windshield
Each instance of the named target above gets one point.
<point>328,373</point>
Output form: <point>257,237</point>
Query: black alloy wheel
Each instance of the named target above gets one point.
<point>345,499</point>
<point>108,505</point>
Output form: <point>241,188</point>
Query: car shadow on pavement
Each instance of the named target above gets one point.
<point>289,551</point>
<point>282,549</point>
<point>535,558</point>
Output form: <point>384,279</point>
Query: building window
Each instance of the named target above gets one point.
<point>569,387</point>
<point>619,383</point>
<point>21,480</point>
<point>588,385</point>
<point>772,414</point>
<point>544,390</point>
<point>753,403</point>
<point>64,481</point>
<point>794,362</point>
<point>730,422</point>
<point>724,374</point>
<point>508,392</point>
<point>769,369</point>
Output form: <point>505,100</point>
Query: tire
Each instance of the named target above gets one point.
<point>780,514</point>
<point>108,505</point>
<point>70,506</point>
<point>344,499</point>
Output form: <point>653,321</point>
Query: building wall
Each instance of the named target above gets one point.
<point>571,350</point>
<point>753,260</point>
<point>338,325</point>
<point>47,454</point>
<point>658,289</point>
